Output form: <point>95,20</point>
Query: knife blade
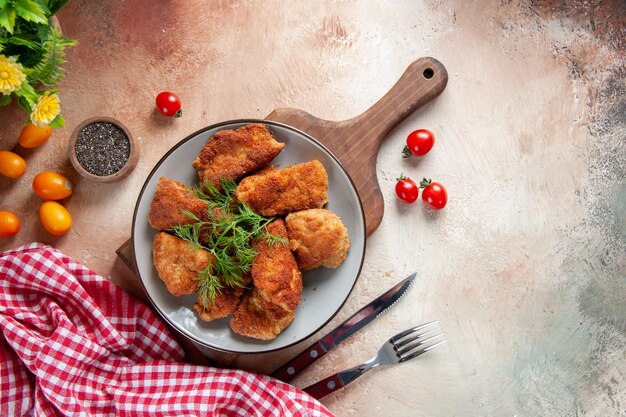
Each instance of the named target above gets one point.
<point>359,319</point>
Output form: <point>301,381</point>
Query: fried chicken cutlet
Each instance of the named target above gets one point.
<point>224,304</point>
<point>318,237</point>
<point>258,318</point>
<point>281,191</point>
<point>178,263</point>
<point>230,154</point>
<point>275,272</point>
<point>170,199</point>
<point>270,307</point>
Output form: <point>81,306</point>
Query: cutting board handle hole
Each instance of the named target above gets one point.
<point>428,73</point>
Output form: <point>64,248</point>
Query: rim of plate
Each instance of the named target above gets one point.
<point>173,323</point>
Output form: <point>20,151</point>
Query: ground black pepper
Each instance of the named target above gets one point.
<point>102,148</point>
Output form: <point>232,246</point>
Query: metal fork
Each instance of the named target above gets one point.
<point>402,347</point>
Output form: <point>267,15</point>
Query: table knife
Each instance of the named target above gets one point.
<point>343,331</point>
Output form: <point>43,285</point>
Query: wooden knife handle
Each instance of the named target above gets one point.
<point>300,362</point>
<point>324,387</point>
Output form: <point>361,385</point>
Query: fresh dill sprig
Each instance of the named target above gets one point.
<point>256,224</point>
<point>191,231</point>
<point>210,286</point>
<point>215,197</point>
<point>228,235</point>
<point>228,188</point>
<point>274,240</point>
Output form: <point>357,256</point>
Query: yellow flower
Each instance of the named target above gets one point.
<point>46,109</point>
<point>11,75</point>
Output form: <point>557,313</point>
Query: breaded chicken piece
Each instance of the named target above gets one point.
<point>281,191</point>
<point>275,272</point>
<point>230,154</point>
<point>318,237</point>
<point>256,317</point>
<point>178,263</point>
<point>170,199</point>
<point>265,170</point>
<point>224,304</point>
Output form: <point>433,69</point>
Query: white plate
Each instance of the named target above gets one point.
<point>325,290</point>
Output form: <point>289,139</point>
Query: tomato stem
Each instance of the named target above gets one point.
<point>406,152</point>
<point>179,113</point>
<point>425,182</point>
<point>401,177</point>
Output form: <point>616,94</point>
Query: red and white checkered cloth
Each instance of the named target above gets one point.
<point>76,344</point>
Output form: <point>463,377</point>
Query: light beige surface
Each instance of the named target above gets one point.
<point>525,268</point>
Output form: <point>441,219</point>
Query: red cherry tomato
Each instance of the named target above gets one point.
<point>434,194</point>
<point>169,104</point>
<point>419,142</point>
<point>406,189</point>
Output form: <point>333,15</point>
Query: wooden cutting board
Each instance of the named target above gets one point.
<point>355,142</point>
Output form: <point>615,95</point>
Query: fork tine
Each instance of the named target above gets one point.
<point>421,351</point>
<point>412,346</point>
<point>411,330</point>
<point>401,343</point>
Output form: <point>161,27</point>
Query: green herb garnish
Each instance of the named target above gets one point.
<point>215,197</point>
<point>229,234</point>
<point>33,48</point>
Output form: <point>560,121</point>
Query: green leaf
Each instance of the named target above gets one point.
<point>58,122</point>
<point>44,6</point>
<point>28,93</point>
<point>7,19</point>
<point>15,40</point>
<point>4,4</point>
<point>30,11</point>
<point>24,103</point>
<point>5,99</point>
<point>49,71</point>
<point>50,91</point>
<point>56,5</point>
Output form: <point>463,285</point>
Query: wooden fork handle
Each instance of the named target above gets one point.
<point>340,379</point>
<point>324,387</point>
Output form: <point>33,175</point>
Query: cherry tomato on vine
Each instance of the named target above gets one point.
<point>434,194</point>
<point>419,143</point>
<point>406,189</point>
<point>169,104</point>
